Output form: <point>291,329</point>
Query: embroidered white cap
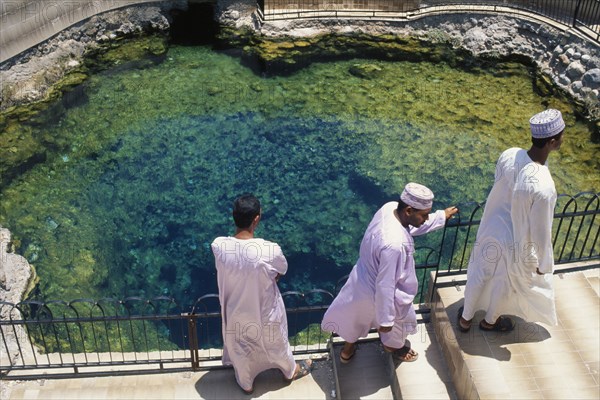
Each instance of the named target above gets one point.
<point>417,196</point>
<point>546,124</point>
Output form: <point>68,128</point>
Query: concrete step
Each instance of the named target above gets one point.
<point>427,377</point>
<point>533,361</point>
<point>375,374</point>
<point>367,376</point>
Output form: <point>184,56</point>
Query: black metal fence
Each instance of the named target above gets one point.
<point>582,15</point>
<point>91,338</point>
<point>576,230</point>
<point>88,337</point>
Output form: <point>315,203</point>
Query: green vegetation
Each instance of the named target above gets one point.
<point>24,140</point>
<point>312,334</point>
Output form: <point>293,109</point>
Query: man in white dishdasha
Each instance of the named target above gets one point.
<point>511,265</point>
<point>255,333</point>
<point>380,290</point>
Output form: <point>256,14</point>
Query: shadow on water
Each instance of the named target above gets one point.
<point>194,27</point>
<point>369,191</point>
<point>75,97</point>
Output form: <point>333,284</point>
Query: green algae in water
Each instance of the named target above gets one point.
<point>156,156</point>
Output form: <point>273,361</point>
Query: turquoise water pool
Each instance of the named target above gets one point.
<point>151,159</point>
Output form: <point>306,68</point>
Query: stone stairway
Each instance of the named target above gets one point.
<point>534,360</point>
<point>367,375</point>
<point>373,373</point>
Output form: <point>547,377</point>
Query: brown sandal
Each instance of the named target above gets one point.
<point>463,327</point>
<point>346,360</point>
<point>406,354</point>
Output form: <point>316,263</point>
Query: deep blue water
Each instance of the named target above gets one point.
<point>152,158</point>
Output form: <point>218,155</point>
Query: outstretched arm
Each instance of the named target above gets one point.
<point>436,221</point>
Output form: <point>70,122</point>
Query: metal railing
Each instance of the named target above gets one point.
<point>581,15</point>
<point>576,230</point>
<point>85,337</point>
<point>57,338</point>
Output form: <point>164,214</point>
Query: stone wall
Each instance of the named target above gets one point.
<point>28,76</point>
<point>569,61</point>
<point>16,278</point>
<point>25,24</point>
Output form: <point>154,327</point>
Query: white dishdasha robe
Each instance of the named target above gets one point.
<point>254,319</point>
<point>383,283</point>
<point>513,239</point>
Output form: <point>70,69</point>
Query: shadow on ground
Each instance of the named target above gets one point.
<point>221,384</point>
<point>493,344</point>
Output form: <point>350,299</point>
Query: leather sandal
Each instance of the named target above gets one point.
<point>502,324</point>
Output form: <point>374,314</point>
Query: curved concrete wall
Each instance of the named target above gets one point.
<point>27,23</point>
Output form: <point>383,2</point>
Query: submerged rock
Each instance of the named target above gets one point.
<point>51,223</point>
<point>365,71</point>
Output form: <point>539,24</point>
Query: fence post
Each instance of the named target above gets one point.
<point>193,335</point>
<point>576,13</point>
<point>437,265</point>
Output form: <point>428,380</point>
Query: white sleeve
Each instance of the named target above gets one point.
<point>540,225</point>
<point>385,286</point>
<point>278,261</point>
<point>436,221</point>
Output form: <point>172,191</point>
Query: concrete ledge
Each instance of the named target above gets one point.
<point>381,15</point>
<point>367,376</point>
<point>534,360</point>
<point>28,23</point>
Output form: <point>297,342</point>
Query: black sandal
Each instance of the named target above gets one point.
<point>502,324</point>
<point>303,368</point>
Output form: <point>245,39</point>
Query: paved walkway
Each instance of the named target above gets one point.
<point>372,374</point>
<point>214,384</point>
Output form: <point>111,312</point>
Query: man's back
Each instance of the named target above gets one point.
<point>254,319</point>
<point>246,272</point>
<point>384,231</point>
<point>532,213</point>
<point>496,221</point>
<point>511,265</point>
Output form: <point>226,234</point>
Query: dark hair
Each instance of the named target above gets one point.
<point>245,209</point>
<point>540,143</point>
<point>401,205</point>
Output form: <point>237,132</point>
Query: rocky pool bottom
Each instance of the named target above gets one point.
<point>138,164</point>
